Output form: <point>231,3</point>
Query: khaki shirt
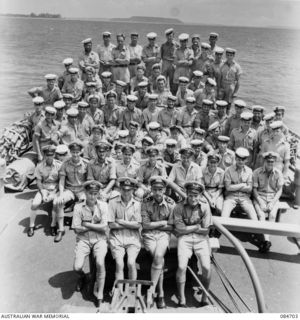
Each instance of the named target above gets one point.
<point>180,176</point>
<point>50,96</point>
<point>230,73</point>
<point>167,117</point>
<point>130,170</point>
<point>145,172</point>
<point>131,115</point>
<point>103,173</point>
<point>47,133</point>
<point>267,184</point>
<point>83,213</point>
<point>48,174</point>
<point>234,176</point>
<point>215,180</point>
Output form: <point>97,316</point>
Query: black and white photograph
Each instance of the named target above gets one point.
<point>149,158</point>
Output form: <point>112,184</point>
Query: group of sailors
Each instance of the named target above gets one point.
<point>150,141</point>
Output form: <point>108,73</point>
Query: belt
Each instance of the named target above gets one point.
<point>211,187</point>
<point>133,63</point>
<point>121,66</point>
<point>187,126</point>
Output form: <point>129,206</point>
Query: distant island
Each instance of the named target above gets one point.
<point>33,15</point>
<point>148,20</point>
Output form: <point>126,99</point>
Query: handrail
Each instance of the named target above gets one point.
<point>252,272</point>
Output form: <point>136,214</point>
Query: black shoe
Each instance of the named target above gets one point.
<point>59,236</point>
<point>160,303</point>
<point>98,303</point>
<point>80,283</point>
<point>30,232</point>
<point>181,305</point>
<point>265,247</point>
<point>53,231</point>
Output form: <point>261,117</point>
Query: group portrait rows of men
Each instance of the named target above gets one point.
<point>151,141</point>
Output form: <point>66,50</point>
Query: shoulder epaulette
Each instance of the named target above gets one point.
<point>169,200</point>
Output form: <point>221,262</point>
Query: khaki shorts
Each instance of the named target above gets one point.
<point>38,200</point>
<point>154,239</point>
<point>119,245</point>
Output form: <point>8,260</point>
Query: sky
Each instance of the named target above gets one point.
<point>257,13</point>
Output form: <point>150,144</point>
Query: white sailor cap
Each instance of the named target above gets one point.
<point>171,97</point>
<point>168,31</point>
<point>68,61</point>
<point>183,80</point>
<point>219,50</point>
<point>195,36</point>
<point>38,100</point>
<point>183,37</point>
<point>148,140</point>
<point>246,115</point>
<point>59,104</point>
<point>61,149</point>
<point>171,142</point>
<point>93,96</point>
<point>106,74</point>
<point>240,103</point>
<point>257,108</point>
<point>197,142</point>
<point>49,149</point>
<point>87,40</point>
<point>132,98</point>
<point>73,70</point>
<point>90,69</point>
<point>205,45</point>
<point>68,96</point>
<point>214,126</point>
<point>134,33</point>
<point>50,110</point>
<point>190,99</point>
<point>242,152</point>
<point>223,138</point>
<point>72,112</point>
<point>50,76</point>
<point>214,35</point>
<point>279,108</point>
<point>276,124</point>
<point>83,104</point>
<point>211,81</point>
<point>230,50</point>
<point>121,83</point>
<point>198,73</point>
<point>123,133</point>
<point>161,77</point>
<point>142,84</point>
<point>91,84</point>
<point>154,125</point>
<point>153,96</point>
<point>221,103</point>
<point>151,35</point>
<point>111,94</point>
<point>207,102</point>
<point>269,116</point>
<point>106,33</point>
<point>152,149</point>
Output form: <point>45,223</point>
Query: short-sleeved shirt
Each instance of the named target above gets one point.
<point>167,117</point>
<point>162,96</point>
<point>135,51</point>
<point>200,63</point>
<point>233,122</point>
<point>167,50</point>
<point>50,96</point>
<point>238,138</point>
<point>215,180</point>
<point>142,101</point>
<point>181,97</point>
<point>180,176</point>
<point>153,211</point>
<point>145,172</point>
<point>48,175</point>
<point>135,81</point>
<point>130,170</point>
<point>75,174</point>
<point>74,88</point>
<point>201,159</point>
<point>187,119</point>
<point>106,87</point>
<point>131,115</point>
<point>201,94</point>
<point>222,121</point>
<point>230,73</point>
<point>112,116</point>
<point>105,52</point>
<point>47,133</point>
<point>124,53</point>
<point>98,116</point>
<point>103,173</point>
<point>282,148</point>
<point>171,158</point>
<point>182,71</point>
<point>121,99</point>
<point>91,58</point>
<point>150,116</point>
<point>130,212</point>
<point>149,52</point>
<point>185,215</point>
<point>68,133</point>
<point>85,127</point>
<point>267,184</point>
<point>83,213</point>
<point>227,158</point>
<point>234,176</point>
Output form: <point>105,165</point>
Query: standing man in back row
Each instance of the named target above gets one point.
<point>135,51</point>
<point>167,53</point>
<point>105,53</point>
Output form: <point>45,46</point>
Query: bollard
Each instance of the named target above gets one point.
<point>2,175</point>
<point>297,186</point>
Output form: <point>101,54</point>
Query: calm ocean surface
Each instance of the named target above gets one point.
<point>30,48</point>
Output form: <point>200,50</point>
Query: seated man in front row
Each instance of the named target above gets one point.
<point>90,226</point>
<point>267,189</point>
<point>72,175</point>
<point>125,220</point>
<point>192,219</point>
<point>157,215</point>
